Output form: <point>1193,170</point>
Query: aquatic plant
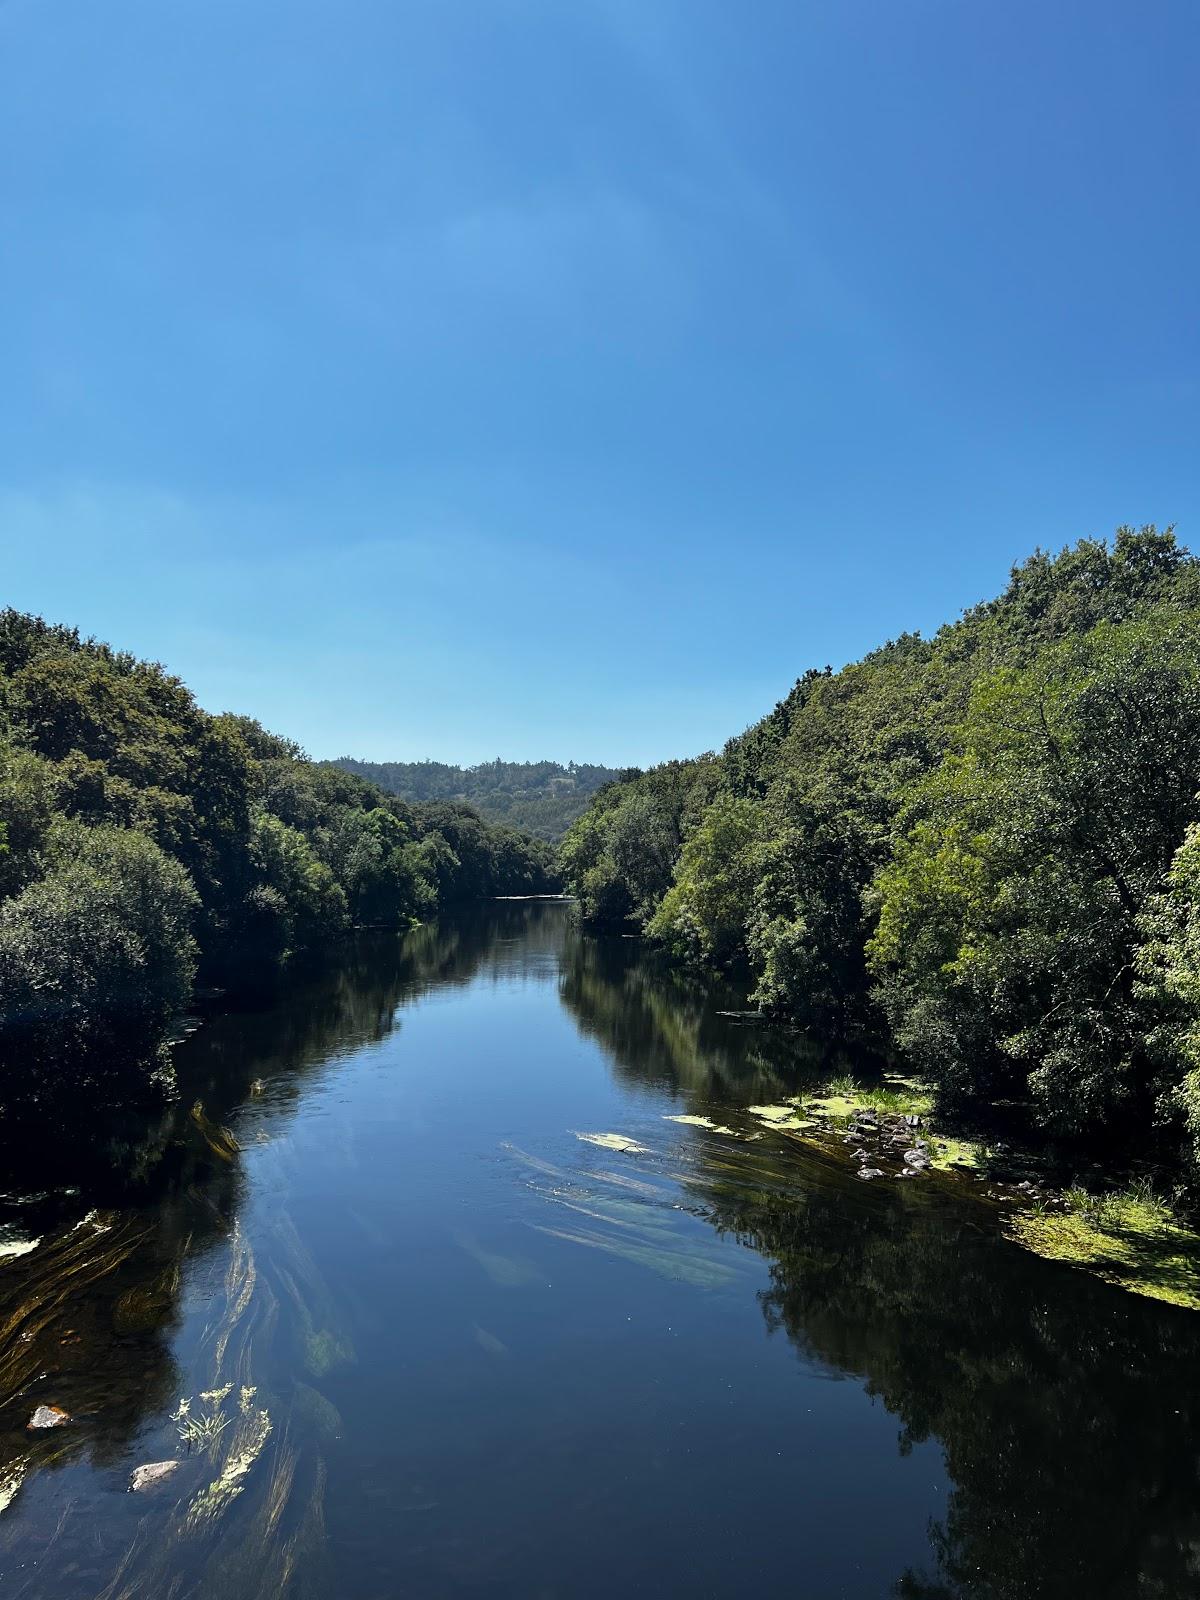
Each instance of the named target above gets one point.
<point>1130,1237</point>
<point>218,1139</point>
<point>703,1122</point>
<point>893,1095</point>
<point>614,1141</point>
<point>11,1480</point>
<point>202,1432</point>
<point>244,1450</point>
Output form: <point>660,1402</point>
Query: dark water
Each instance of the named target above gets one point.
<point>490,1359</point>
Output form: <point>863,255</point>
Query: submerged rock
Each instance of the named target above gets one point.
<point>48,1417</point>
<point>870,1172</point>
<point>150,1475</point>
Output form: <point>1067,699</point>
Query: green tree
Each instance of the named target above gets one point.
<point>97,950</point>
<point>1168,972</point>
<point>703,914</point>
<point>1010,916</point>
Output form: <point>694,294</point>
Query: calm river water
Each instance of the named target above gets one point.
<point>408,1334</point>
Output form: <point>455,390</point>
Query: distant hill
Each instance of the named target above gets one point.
<point>543,797</point>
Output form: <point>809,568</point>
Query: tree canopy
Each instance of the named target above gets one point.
<point>975,851</point>
<point>144,841</point>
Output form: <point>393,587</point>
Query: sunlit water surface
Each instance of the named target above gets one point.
<point>450,1348</point>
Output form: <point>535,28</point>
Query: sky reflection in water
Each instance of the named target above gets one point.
<point>431,1342</point>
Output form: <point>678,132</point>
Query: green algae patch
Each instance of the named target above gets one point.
<point>1132,1240</point>
<point>835,1105</point>
<point>614,1141</point>
<point>312,1411</point>
<point>894,1095</point>
<point>325,1349</point>
<point>783,1117</point>
<point>703,1122</point>
<point>953,1155</point>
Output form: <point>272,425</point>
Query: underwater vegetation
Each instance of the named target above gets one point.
<point>1130,1238</point>
<point>639,1221</point>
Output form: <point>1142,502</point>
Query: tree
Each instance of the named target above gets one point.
<point>703,914</point>
<point>99,950</point>
<point>1010,914</point>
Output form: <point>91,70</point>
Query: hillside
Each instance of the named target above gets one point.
<point>144,842</point>
<point>979,852</point>
<point>540,797</point>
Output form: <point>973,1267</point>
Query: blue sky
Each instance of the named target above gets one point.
<point>564,377</point>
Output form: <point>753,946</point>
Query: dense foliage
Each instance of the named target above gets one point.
<point>540,797</point>
<point>978,850</point>
<point>143,840</point>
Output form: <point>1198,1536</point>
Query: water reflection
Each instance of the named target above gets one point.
<point>126,1210</point>
<point>1069,1414</point>
<point>179,1308</point>
<point>664,1027</point>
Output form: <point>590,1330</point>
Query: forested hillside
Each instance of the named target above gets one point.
<point>144,842</point>
<point>979,851</point>
<point>542,797</point>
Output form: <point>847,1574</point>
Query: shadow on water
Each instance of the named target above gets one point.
<point>170,1330</point>
<point>101,1227</point>
<point>1068,1412</point>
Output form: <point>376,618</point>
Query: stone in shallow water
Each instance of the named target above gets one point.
<point>48,1417</point>
<point>151,1474</point>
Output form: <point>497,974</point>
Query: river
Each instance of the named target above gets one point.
<point>407,1333</point>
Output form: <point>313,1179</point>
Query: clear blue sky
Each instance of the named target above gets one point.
<point>564,377</point>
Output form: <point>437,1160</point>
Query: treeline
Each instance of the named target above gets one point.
<point>540,797</point>
<point>145,843</point>
<point>978,852</point>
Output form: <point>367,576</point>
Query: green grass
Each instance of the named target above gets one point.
<point>893,1096</point>
<point>1130,1237</point>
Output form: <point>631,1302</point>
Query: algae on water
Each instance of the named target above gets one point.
<point>614,1141</point>
<point>782,1117</point>
<point>703,1122</point>
<point>1131,1240</point>
<point>11,1480</point>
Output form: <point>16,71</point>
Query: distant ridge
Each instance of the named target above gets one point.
<point>542,797</point>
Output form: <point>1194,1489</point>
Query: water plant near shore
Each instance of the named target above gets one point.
<point>1131,1238</point>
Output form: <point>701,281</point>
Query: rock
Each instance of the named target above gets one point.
<point>151,1475</point>
<point>870,1172</point>
<point>913,1121</point>
<point>48,1417</point>
<point>916,1158</point>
